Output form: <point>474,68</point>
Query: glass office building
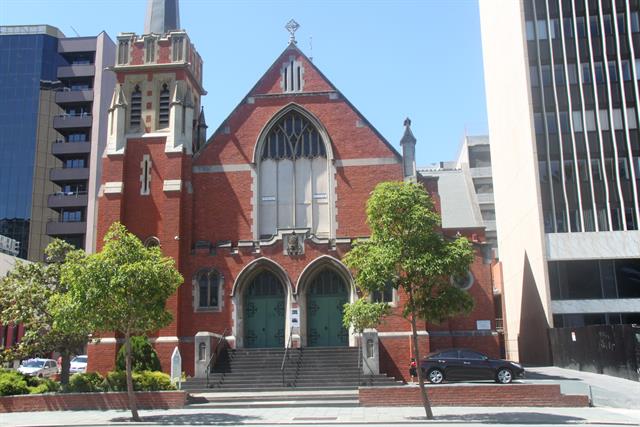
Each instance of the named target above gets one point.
<point>28,60</point>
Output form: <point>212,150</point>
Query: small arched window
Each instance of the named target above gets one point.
<point>208,290</point>
<point>152,242</point>
<point>163,115</point>
<point>136,107</point>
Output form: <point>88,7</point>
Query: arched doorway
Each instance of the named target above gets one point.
<point>264,312</point>
<point>326,295</point>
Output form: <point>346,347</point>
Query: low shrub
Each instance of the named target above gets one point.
<point>143,356</point>
<point>45,385</point>
<point>142,381</point>
<point>85,383</point>
<point>12,383</point>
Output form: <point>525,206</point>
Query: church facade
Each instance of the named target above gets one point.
<point>259,216</point>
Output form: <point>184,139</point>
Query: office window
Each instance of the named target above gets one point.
<point>538,123</point>
<point>555,28</point>
<point>638,67</point>
<point>543,172</point>
<point>596,169</point>
<point>603,115</point>
<point>617,119</point>
<point>568,170</point>
<point>595,27</point>
<point>635,22</point>
<point>74,164</point>
<point>573,73</point>
<point>589,222</point>
<point>583,170</point>
<point>564,122</point>
<point>613,71</point>
<point>626,70</point>
<point>585,72</point>
<point>533,75</point>
<point>581,28</point>
<point>590,118</point>
<point>567,23</point>
<point>163,116</point>
<point>577,120</point>
<point>558,70</point>
<point>542,29</point>
<point>631,118</point>
<point>622,24</point>
<point>555,170</point>
<point>552,126</point>
<point>531,34</point>
<point>547,79</point>
<point>608,25</point>
<point>71,216</point>
<point>599,71</point>
<point>623,169</point>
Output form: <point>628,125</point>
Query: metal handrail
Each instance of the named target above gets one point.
<point>215,352</point>
<point>283,366</point>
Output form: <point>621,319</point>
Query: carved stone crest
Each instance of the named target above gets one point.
<point>293,244</point>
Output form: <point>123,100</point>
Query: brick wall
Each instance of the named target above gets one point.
<point>539,395</point>
<point>91,401</point>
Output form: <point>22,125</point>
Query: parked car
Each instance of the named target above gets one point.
<point>78,364</point>
<point>464,364</point>
<point>39,367</point>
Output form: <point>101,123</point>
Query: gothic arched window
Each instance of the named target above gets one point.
<point>294,179</point>
<point>208,290</point>
<point>136,107</point>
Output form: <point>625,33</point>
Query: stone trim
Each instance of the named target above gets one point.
<point>372,161</point>
<point>113,187</point>
<point>172,185</point>
<point>398,334</point>
<point>239,167</point>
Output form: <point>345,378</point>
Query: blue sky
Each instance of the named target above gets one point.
<point>390,58</point>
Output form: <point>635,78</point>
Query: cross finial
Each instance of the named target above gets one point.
<point>292,26</point>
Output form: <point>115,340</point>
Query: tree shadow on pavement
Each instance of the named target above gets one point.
<point>191,419</point>
<point>508,418</point>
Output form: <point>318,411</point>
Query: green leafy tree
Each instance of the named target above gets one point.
<point>123,288</point>
<point>27,297</point>
<point>363,314</point>
<point>143,356</point>
<point>407,248</point>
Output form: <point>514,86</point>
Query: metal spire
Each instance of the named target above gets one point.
<point>292,26</point>
<point>162,16</point>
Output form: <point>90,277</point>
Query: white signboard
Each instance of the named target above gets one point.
<point>9,245</point>
<point>176,367</point>
<point>483,325</point>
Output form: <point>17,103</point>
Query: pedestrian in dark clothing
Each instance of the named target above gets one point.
<point>412,369</point>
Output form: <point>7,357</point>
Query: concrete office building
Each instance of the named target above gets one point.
<point>50,96</point>
<point>561,79</point>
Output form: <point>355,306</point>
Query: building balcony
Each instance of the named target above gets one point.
<point>63,148</point>
<point>69,174</point>
<point>74,96</point>
<point>57,228</point>
<point>77,70</point>
<point>484,172</point>
<point>77,44</point>
<point>489,224</point>
<point>484,198</point>
<point>67,200</point>
<point>72,122</point>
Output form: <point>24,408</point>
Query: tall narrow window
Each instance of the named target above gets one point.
<point>123,52</point>
<point>163,117</point>
<point>292,76</point>
<point>136,107</point>
<point>208,290</point>
<point>145,175</point>
<point>177,47</point>
<point>150,49</point>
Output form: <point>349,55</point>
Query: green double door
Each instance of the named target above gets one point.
<point>326,296</point>
<point>264,312</point>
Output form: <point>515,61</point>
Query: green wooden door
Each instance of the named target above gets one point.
<point>326,296</point>
<point>264,312</point>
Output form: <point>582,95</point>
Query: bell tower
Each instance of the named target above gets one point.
<point>153,124</point>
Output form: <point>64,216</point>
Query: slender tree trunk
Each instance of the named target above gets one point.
<point>416,352</point>
<point>132,396</point>
<point>64,367</point>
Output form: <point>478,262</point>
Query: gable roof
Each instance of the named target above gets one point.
<point>293,47</point>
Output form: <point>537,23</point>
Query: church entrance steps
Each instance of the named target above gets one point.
<point>275,399</point>
<point>318,368</point>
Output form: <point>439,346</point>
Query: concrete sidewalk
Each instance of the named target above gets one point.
<point>335,415</point>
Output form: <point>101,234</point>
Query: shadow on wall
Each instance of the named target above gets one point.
<point>533,341</point>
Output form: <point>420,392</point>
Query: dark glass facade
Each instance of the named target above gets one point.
<point>25,61</point>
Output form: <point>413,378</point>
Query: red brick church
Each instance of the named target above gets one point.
<point>259,215</point>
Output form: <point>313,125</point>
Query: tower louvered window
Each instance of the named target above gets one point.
<point>136,107</point>
<point>292,76</point>
<point>150,49</point>
<point>123,52</point>
<point>163,117</point>
<point>294,178</point>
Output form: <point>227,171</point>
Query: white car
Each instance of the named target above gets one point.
<point>39,367</point>
<point>78,364</point>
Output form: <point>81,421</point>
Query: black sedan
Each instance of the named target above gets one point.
<point>463,364</point>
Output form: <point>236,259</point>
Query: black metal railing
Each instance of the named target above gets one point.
<point>221,345</point>
<point>285,357</point>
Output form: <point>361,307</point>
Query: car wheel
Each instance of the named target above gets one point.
<point>435,376</point>
<point>504,376</point>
